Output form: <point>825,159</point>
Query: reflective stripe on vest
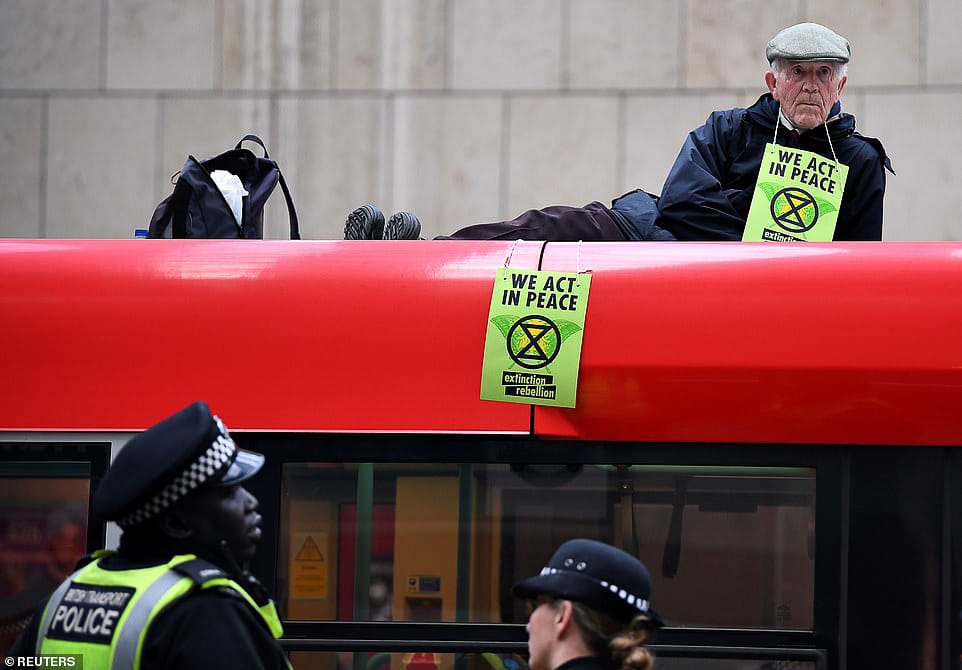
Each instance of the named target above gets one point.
<point>125,646</point>
<point>51,607</point>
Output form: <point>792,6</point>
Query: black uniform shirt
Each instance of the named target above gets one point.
<point>587,663</point>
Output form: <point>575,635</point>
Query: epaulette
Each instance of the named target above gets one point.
<point>84,561</point>
<point>200,571</point>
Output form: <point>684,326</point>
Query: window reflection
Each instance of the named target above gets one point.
<point>409,660</point>
<point>502,661</point>
<point>727,547</point>
<point>730,664</point>
<point>43,533</point>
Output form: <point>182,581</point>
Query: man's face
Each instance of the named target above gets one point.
<point>806,90</point>
<point>228,513</point>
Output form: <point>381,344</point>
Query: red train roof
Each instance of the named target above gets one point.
<point>730,342</point>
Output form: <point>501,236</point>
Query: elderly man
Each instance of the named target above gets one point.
<point>176,593</point>
<point>709,191</point>
<point>710,187</point>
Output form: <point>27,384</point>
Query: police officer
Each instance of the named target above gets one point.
<point>589,609</point>
<point>176,593</point>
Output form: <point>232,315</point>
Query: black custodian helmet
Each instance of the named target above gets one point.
<point>163,464</point>
<point>597,575</point>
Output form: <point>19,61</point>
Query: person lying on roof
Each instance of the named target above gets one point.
<point>836,176</point>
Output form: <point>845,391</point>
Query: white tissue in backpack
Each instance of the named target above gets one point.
<point>232,188</point>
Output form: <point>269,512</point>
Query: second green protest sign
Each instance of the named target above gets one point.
<point>532,346</point>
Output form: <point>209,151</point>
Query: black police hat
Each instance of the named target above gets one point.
<point>167,461</point>
<point>597,575</point>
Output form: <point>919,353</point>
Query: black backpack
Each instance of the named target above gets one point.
<point>198,209</point>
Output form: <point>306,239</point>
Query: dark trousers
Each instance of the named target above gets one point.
<point>631,217</point>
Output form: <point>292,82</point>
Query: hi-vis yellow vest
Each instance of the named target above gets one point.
<point>105,614</point>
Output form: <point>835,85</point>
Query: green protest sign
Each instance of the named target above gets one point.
<point>797,197</point>
<point>532,345</point>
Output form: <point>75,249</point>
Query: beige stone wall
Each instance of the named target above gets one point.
<point>460,110</point>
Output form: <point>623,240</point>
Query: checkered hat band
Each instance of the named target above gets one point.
<point>635,601</point>
<point>220,453</point>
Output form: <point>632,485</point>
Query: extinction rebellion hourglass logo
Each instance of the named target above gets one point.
<point>794,210</point>
<point>533,341</point>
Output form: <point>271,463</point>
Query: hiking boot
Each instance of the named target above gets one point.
<point>364,223</point>
<point>402,226</point>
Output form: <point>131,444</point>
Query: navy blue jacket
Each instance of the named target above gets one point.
<point>709,189</point>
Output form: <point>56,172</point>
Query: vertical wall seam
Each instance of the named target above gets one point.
<point>862,119</point>
<point>565,37</point>
<point>382,77</point>
<point>274,122</point>
<point>44,166</point>
<point>277,147</point>
<point>923,42</point>
<point>104,36</point>
<point>334,17</point>
<point>621,142</point>
<point>504,183</point>
<point>682,44</point>
<point>447,66</point>
<point>159,169</point>
<point>388,148</point>
<point>273,78</point>
<point>274,52</point>
<point>218,46</point>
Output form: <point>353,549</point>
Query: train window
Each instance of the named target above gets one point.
<point>43,533</point>
<point>681,663</point>
<point>503,661</point>
<point>410,660</point>
<point>727,546</point>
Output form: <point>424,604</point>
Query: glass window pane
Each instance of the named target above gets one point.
<point>727,547</point>
<point>43,533</point>
<point>681,663</point>
<point>317,660</point>
<point>303,660</point>
<point>316,541</point>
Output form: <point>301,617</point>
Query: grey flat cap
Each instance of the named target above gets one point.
<point>808,41</point>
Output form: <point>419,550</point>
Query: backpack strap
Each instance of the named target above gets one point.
<point>173,211</point>
<point>256,140</point>
<point>291,211</point>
